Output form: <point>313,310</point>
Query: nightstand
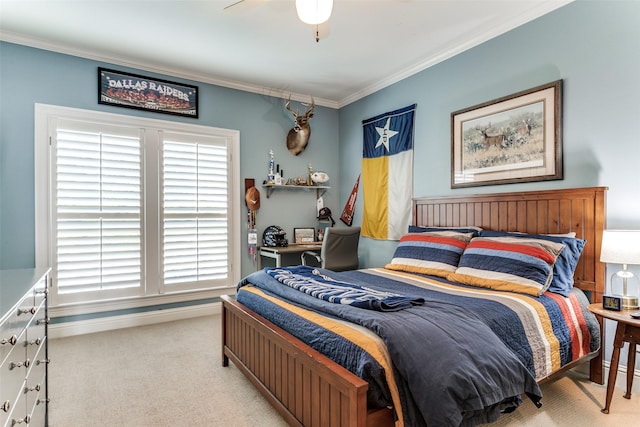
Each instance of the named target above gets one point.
<point>627,330</point>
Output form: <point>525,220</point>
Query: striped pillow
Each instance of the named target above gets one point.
<point>435,252</point>
<point>514,264</point>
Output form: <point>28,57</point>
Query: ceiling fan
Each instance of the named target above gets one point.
<point>312,12</point>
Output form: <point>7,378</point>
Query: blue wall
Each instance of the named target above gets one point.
<point>29,76</point>
<point>593,46</point>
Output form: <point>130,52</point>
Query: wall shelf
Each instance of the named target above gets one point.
<point>320,189</point>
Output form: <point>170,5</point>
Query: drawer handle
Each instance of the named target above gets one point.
<point>35,388</point>
<point>42,291</point>
<point>39,401</point>
<point>25,420</point>
<point>31,310</point>
<point>6,406</point>
<point>44,320</point>
<point>12,340</point>
<point>37,341</point>
<point>44,361</point>
<point>19,364</point>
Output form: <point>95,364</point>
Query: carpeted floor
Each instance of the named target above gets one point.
<point>170,374</point>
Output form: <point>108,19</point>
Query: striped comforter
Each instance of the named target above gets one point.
<point>460,359</point>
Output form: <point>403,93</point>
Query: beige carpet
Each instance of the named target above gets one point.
<point>170,374</point>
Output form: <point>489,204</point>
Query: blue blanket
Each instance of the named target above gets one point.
<point>312,282</point>
<point>450,367</point>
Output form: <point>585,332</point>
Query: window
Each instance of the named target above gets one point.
<point>134,208</point>
<point>195,210</point>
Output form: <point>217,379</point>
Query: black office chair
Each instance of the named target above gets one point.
<point>339,250</point>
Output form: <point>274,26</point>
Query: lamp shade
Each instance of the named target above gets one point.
<point>620,247</point>
<point>314,11</point>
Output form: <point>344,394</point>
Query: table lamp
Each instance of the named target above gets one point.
<point>622,247</point>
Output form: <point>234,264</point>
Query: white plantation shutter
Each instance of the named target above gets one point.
<point>134,212</point>
<point>195,209</point>
<point>97,207</point>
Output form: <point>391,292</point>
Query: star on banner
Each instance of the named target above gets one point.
<point>385,135</point>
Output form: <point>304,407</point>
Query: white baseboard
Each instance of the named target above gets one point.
<point>89,326</point>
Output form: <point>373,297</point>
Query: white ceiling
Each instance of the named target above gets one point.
<point>261,46</point>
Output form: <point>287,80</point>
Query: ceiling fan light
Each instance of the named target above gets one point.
<point>314,11</point>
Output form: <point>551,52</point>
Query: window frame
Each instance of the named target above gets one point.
<point>152,291</point>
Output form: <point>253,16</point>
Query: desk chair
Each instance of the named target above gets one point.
<point>339,250</point>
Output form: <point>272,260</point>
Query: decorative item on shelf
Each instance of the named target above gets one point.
<point>319,178</point>
<point>279,180</point>
<point>622,247</point>
<point>271,178</point>
<point>309,179</point>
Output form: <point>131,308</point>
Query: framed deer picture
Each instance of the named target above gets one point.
<point>517,138</point>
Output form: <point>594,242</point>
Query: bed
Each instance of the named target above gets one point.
<point>309,388</point>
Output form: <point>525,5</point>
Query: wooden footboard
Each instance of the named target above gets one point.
<point>304,386</point>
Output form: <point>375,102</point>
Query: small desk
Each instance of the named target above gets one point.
<point>627,330</point>
<point>293,248</point>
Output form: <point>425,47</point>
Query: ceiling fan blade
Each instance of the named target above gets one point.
<point>241,5</point>
<point>232,4</point>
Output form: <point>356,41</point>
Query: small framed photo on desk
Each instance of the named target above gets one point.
<point>304,235</point>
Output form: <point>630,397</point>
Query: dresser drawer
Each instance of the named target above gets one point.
<point>19,415</point>
<point>11,382</point>
<point>23,347</point>
<point>36,395</point>
<point>40,291</point>
<point>13,327</point>
<point>35,335</point>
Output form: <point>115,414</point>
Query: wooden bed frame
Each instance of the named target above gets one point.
<point>309,389</point>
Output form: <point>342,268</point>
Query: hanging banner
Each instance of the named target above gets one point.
<point>387,174</point>
<point>347,212</point>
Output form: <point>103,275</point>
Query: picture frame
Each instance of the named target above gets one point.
<point>304,235</point>
<point>145,93</point>
<point>516,138</point>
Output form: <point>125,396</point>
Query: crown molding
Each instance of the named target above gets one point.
<point>492,32</point>
<point>541,8</point>
<point>37,43</point>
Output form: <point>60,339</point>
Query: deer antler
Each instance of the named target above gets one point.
<point>287,105</point>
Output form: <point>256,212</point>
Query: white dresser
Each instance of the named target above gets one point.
<point>23,347</point>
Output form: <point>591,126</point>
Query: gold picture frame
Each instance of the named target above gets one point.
<point>516,138</point>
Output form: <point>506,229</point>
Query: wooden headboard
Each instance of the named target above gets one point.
<point>581,210</point>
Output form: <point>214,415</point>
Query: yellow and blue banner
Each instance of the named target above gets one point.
<point>387,174</point>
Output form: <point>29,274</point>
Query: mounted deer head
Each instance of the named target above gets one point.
<point>298,136</point>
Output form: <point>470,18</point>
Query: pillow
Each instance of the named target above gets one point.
<point>470,229</point>
<point>431,252</point>
<point>566,262</point>
<point>514,264</point>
